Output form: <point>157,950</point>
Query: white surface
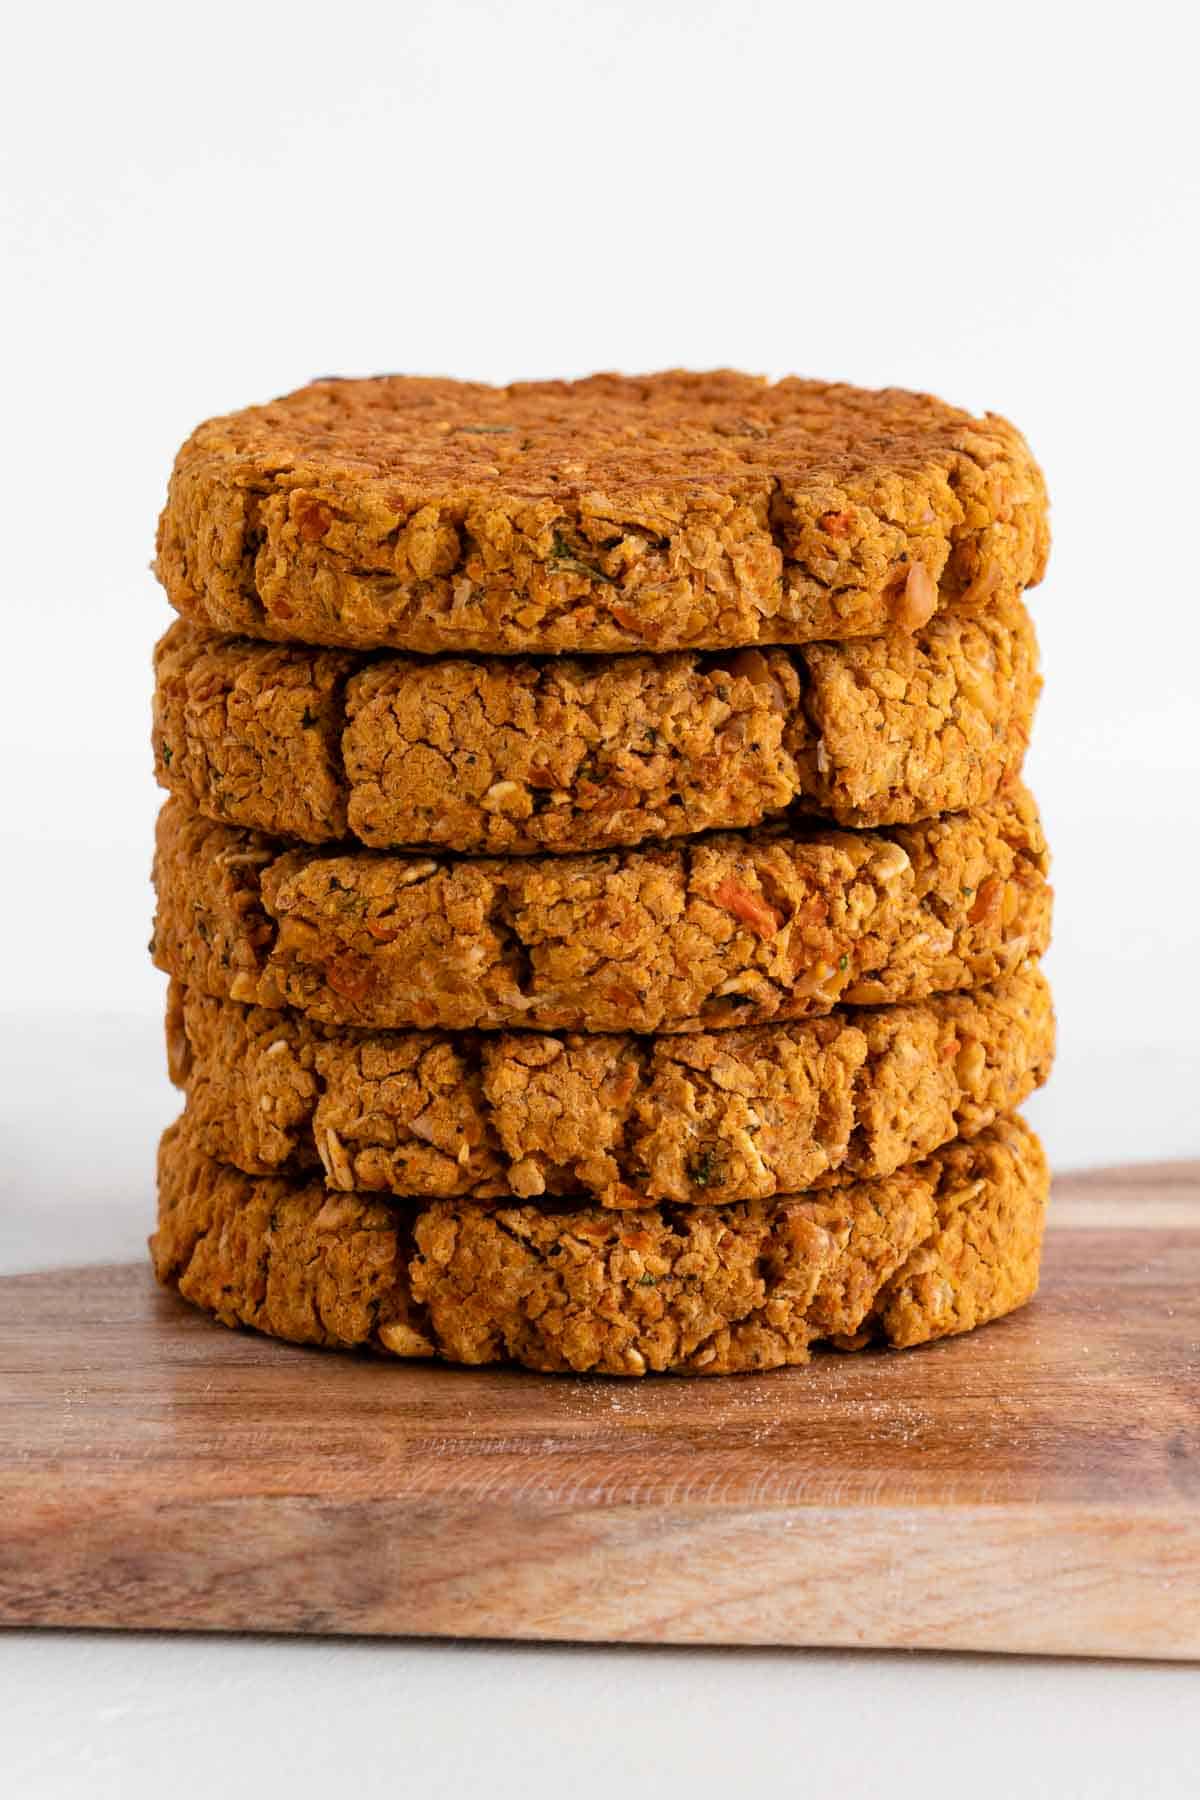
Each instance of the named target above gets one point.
<point>205,207</point>
<point>115,1718</point>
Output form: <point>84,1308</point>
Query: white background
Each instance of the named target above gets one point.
<point>205,206</point>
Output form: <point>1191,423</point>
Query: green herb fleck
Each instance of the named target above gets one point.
<point>165,751</point>
<point>705,1169</point>
<point>647,1280</point>
<point>487,430</point>
<point>563,557</point>
<point>843,964</point>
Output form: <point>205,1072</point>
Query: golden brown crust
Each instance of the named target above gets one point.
<point>935,1249</point>
<point>569,754</point>
<point>698,1118</point>
<point>663,512</point>
<point>252,733</point>
<point>704,934</point>
<point>899,729</point>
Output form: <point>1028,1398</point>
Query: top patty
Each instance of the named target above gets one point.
<point>662,512</point>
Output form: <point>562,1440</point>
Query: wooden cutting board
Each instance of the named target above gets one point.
<point>1035,1487</point>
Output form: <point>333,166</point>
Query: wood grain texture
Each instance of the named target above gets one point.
<point>1035,1487</point>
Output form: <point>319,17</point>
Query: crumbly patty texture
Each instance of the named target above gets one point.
<point>935,1249</point>
<point>502,756</point>
<point>696,1118</point>
<point>707,933</point>
<point>672,511</point>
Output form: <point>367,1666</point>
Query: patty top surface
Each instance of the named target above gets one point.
<point>427,436</point>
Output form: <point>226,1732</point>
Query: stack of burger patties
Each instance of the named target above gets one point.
<point>601,904</point>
